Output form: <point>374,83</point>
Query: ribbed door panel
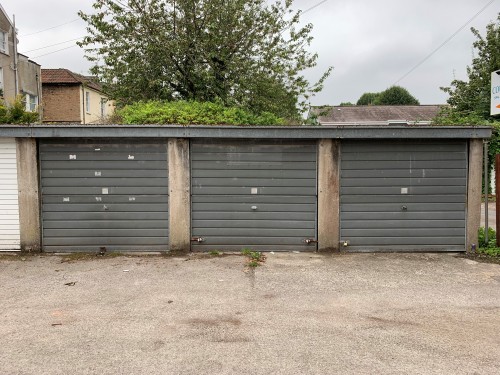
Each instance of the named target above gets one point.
<point>258,195</point>
<point>9,203</point>
<point>104,194</point>
<point>404,195</point>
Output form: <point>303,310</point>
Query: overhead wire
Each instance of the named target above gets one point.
<point>56,44</point>
<point>50,28</point>
<point>305,11</point>
<point>444,43</point>
<point>314,6</point>
<point>123,5</point>
<point>50,53</point>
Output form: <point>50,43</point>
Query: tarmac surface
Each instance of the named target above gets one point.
<point>295,314</point>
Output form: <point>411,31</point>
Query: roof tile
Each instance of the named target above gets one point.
<point>375,113</point>
<point>65,76</point>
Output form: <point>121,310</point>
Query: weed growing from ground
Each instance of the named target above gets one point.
<point>73,257</point>
<point>255,258</point>
<point>215,253</point>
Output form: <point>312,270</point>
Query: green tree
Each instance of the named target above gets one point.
<point>242,53</point>
<point>472,97</point>
<point>396,95</point>
<point>368,98</point>
<point>470,100</point>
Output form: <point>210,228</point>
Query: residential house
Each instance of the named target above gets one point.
<point>375,114</point>
<point>73,98</point>
<point>18,74</point>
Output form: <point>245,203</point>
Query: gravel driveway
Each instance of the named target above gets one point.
<point>296,314</point>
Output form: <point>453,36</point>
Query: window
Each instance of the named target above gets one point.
<point>4,42</point>
<point>103,107</point>
<point>87,102</point>
<point>31,102</point>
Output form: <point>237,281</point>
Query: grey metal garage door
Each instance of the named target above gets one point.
<point>258,195</point>
<point>403,195</point>
<point>104,194</point>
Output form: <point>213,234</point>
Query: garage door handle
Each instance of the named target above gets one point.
<point>404,208</point>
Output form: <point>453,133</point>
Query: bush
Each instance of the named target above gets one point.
<point>190,112</point>
<point>490,249</point>
<point>491,238</point>
<point>3,114</point>
<point>16,114</point>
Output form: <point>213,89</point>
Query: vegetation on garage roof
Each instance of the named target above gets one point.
<point>193,113</point>
<point>16,113</point>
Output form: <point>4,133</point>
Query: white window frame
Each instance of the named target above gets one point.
<point>87,101</point>
<point>31,102</point>
<point>103,107</point>
<point>4,44</point>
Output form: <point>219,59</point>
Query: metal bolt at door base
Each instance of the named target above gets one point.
<point>309,240</point>
<point>197,239</point>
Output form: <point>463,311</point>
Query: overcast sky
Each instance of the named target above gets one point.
<point>371,44</point>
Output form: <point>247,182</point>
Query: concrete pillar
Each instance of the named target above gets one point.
<point>29,198</point>
<point>179,181</point>
<point>328,195</point>
<point>474,187</point>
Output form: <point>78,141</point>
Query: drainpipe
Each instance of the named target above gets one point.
<point>16,78</point>
<point>38,106</point>
<point>83,104</point>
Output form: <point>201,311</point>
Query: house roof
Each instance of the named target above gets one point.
<point>26,58</point>
<point>5,14</point>
<point>374,114</point>
<point>65,76</point>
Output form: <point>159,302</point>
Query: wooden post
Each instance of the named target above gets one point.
<point>486,191</point>
<point>497,196</point>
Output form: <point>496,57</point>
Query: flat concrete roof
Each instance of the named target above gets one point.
<point>265,132</point>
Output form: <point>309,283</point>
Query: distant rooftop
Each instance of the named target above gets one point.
<point>65,76</point>
<point>376,114</point>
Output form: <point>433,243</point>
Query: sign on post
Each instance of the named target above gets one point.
<point>495,93</point>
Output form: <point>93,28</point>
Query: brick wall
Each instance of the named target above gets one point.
<point>61,103</point>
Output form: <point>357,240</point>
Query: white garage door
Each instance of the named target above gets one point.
<point>9,208</point>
